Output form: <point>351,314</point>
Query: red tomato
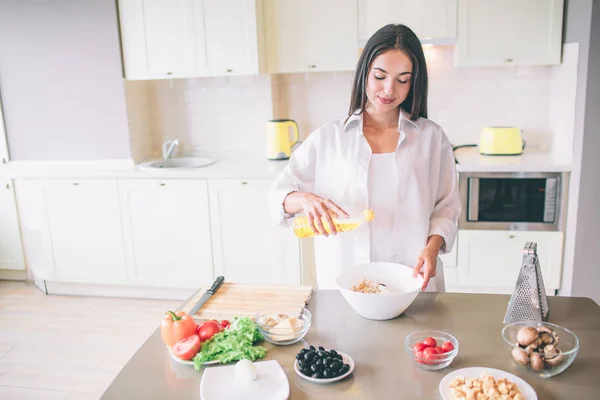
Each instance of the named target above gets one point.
<point>187,348</point>
<point>430,342</point>
<point>420,358</point>
<point>438,349</point>
<point>419,347</point>
<point>447,347</point>
<point>427,356</point>
<point>208,330</point>
<point>198,327</point>
<point>431,353</point>
<point>225,323</point>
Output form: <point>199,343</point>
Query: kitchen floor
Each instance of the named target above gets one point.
<point>68,347</point>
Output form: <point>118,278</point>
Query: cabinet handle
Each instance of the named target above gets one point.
<point>4,161</point>
<point>7,186</point>
<point>75,183</point>
<point>244,183</point>
<point>508,60</point>
<point>169,73</point>
<point>312,66</point>
<point>162,184</point>
<point>511,236</point>
<point>228,70</point>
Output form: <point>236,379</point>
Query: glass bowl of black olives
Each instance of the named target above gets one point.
<point>320,365</point>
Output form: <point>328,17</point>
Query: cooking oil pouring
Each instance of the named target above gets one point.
<point>302,228</point>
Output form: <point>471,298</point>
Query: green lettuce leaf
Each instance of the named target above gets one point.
<point>233,344</point>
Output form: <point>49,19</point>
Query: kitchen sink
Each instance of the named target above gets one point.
<point>178,163</point>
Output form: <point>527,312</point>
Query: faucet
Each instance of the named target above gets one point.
<point>168,148</point>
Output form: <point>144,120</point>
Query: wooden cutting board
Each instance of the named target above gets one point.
<point>233,299</point>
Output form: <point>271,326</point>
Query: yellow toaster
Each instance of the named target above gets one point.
<point>501,140</point>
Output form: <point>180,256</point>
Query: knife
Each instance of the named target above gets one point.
<point>215,286</point>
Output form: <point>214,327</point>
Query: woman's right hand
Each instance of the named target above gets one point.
<point>315,208</point>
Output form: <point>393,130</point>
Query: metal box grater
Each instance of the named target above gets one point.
<point>528,301</point>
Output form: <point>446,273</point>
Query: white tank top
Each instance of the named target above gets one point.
<point>382,200</point>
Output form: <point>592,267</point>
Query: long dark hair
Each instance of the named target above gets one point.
<point>390,37</point>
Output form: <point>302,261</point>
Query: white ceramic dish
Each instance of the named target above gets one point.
<point>345,357</point>
<point>397,277</point>
<point>475,372</point>
<point>219,383</point>
<point>186,362</point>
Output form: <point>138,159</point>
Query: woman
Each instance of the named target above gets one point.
<point>385,156</point>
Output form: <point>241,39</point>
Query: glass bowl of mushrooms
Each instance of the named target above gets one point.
<point>541,347</point>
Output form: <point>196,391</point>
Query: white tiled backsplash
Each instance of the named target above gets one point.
<point>227,114</point>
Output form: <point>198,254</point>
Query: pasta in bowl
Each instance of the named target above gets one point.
<point>379,290</point>
<point>370,287</point>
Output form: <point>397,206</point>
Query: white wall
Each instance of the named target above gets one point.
<point>562,101</point>
<point>586,254</point>
<point>577,30</point>
<point>207,115</point>
<point>63,94</point>
<point>60,80</point>
<point>220,114</point>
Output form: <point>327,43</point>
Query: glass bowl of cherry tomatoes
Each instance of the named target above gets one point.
<point>431,350</point>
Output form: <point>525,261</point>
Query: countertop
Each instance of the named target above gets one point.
<point>470,160</point>
<point>383,368</point>
<point>244,167</point>
<point>254,166</point>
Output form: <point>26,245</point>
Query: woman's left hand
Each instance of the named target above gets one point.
<point>427,261</point>
<point>425,266</point>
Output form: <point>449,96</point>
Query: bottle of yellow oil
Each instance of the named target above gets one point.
<point>302,228</point>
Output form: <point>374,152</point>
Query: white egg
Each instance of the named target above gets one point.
<point>245,371</point>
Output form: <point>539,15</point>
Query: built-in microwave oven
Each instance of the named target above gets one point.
<point>525,201</point>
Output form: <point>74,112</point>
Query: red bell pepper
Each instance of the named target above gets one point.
<point>176,326</point>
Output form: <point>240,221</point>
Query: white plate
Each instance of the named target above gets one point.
<point>345,358</point>
<point>475,372</point>
<point>271,384</point>
<point>187,362</point>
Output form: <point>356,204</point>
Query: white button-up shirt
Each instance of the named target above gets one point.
<point>333,162</point>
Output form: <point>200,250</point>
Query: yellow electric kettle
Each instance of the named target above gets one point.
<point>282,134</point>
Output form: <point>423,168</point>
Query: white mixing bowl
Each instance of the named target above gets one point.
<point>397,278</point>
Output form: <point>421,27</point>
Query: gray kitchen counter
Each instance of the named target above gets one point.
<point>383,368</point>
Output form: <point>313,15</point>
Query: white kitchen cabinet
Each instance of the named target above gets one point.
<point>11,249</point>
<point>167,232</point>
<point>247,246</point>
<point>430,19</point>
<point>311,35</point>
<point>83,228</point>
<point>189,38</point>
<point>158,38</point>
<point>228,40</point>
<point>509,32</point>
<point>449,262</point>
<point>491,260</point>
